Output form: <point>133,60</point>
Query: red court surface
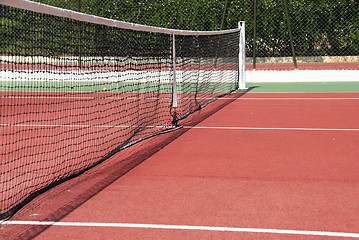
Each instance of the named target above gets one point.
<point>265,166</point>
<point>305,66</point>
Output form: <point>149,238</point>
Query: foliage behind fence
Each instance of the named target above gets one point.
<point>319,27</point>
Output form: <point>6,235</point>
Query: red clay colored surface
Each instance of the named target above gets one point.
<point>281,110</point>
<point>280,179</point>
<point>160,67</point>
<point>305,66</point>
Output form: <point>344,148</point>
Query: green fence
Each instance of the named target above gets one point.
<point>318,27</point>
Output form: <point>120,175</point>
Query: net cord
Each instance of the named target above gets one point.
<point>59,12</point>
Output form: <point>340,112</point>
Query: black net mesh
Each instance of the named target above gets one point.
<point>74,93</point>
<point>207,68</point>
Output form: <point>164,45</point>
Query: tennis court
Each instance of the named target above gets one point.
<point>266,165</point>
<point>114,130</point>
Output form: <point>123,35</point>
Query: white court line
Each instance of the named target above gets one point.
<point>184,227</point>
<point>191,127</point>
<point>81,97</point>
<point>80,126</point>
<point>103,97</point>
<point>293,98</point>
<point>274,128</point>
<point>222,98</point>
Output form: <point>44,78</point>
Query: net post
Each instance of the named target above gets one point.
<point>242,56</point>
<point>174,80</point>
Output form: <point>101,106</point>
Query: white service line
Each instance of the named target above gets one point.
<point>292,98</point>
<point>190,127</point>
<point>275,128</point>
<point>184,227</point>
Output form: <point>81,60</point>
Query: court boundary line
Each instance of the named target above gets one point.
<point>274,128</point>
<point>83,126</point>
<point>184,227</point>
<point>186,127</point>
<point>151,98</point>
<point>295,98</point>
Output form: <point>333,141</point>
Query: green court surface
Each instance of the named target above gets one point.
<point>92,86</point>
<point>310,87</point>
<point>122,87</point>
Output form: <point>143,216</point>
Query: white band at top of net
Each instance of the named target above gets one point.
<point>59,12</point>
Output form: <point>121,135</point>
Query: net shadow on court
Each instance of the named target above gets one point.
<point>76,89</point>
<point>59,201</point>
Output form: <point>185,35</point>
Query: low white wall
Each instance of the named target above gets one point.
<point>303,76</point>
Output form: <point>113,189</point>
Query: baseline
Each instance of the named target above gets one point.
<point>185,227</point>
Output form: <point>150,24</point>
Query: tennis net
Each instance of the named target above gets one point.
<point>76,89</point>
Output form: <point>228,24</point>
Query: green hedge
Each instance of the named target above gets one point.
<point>319,27</point>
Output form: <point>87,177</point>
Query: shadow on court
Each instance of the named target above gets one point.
<point>59,201</point>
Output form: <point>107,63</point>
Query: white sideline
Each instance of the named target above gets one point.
<point>154,98</point>
<point>81,126</point>
<point>276,128</point>
<point>183,227</point>
<point>293,98</point>
<point>191,127</point>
